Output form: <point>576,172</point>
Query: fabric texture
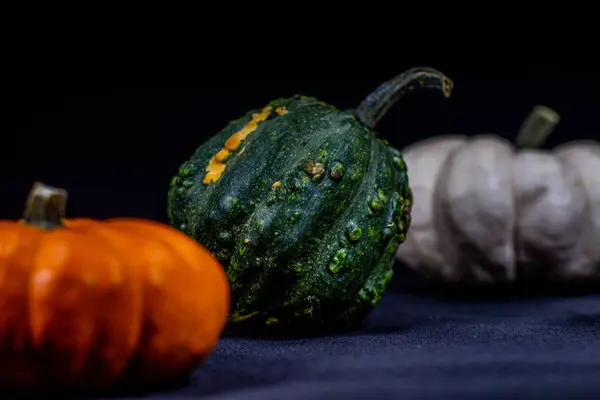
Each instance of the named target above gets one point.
<point>416,346</point>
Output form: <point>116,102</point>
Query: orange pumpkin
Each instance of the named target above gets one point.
<point>87,303</point>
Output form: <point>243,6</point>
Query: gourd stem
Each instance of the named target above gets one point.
<point>45,206</point>
<point>377,104</point>
<point>540,122</point>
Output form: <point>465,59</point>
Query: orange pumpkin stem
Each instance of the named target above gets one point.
<point>45,207</point>
<point>540,122</point>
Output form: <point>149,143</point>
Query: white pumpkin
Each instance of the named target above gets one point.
<point>485,210</point>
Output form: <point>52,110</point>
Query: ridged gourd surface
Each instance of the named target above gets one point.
<point>304,206</point>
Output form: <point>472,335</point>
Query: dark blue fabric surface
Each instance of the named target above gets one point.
<point>420,347</point>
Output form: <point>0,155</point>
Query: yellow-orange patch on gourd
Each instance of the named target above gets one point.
<point>216,164</point>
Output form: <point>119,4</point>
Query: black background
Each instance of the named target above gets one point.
<point>111,119</point>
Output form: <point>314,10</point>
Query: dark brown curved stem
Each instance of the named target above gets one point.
<point>45,207</point>
<point>540,122</point>
<point>377,104</point>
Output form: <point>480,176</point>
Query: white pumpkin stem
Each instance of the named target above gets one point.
<point>45,206</point>
<point>540,122</point>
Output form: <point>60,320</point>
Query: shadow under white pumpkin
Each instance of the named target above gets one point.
<point>487,210</point>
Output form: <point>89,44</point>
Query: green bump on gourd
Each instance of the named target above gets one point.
<point>337,171</point>
<point>377,202</point>
<point>223,255</point>
<point>186,169</point>
<point>338,261</point>
<point>353,232</point>
<point>306,212</point>
<point>295,216</point>
<point>399,163</point>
